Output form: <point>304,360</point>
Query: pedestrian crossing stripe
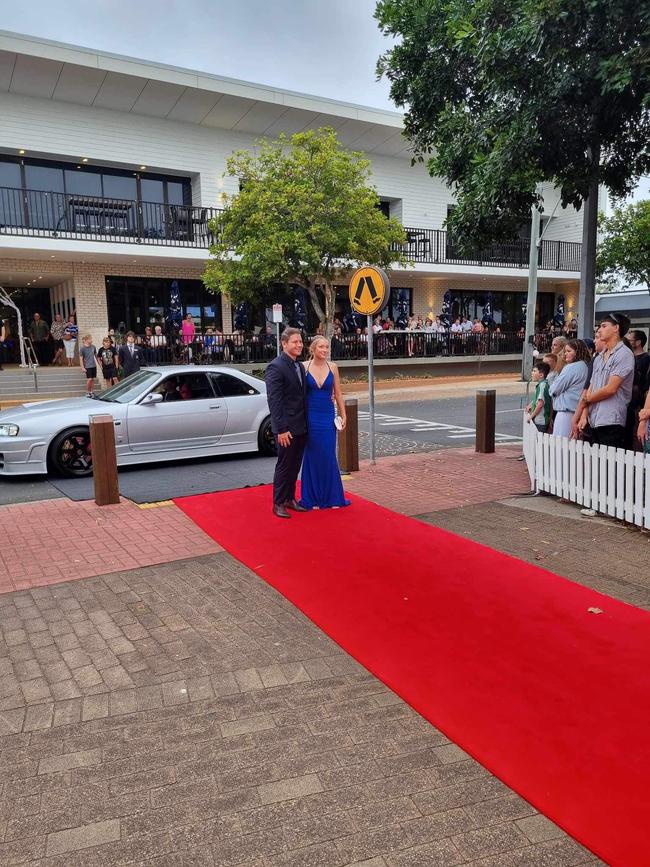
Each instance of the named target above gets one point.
<point>368,290</point>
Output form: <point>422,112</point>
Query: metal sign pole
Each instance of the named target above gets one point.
<point>368,288</point>
<point>277,338</point>
<point>371,391</point>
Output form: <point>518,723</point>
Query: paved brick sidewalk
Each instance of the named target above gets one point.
<point>57,540</point>
<point>188,714</point>
<point>445,479</point>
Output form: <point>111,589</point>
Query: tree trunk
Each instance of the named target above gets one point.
<point>330,300</point>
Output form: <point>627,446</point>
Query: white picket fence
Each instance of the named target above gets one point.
<point>613,481</point>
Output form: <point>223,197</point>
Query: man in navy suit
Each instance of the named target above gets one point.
<point>286,394</point>
<point>130,355</point>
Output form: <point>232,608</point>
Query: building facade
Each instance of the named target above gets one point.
<point>111,167</point>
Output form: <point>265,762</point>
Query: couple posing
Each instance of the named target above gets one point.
<point>301,399</point>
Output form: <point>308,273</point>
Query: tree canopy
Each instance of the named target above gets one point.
<point>624,249</point>
<point>305,215</point>
<point>502,95</point>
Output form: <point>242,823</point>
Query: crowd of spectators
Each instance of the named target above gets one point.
<point>597,390</point>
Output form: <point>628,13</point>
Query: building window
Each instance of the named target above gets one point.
<point>384,207</point>
<point>135,302</point>
<point>48,188</point>
<point>508,308</point>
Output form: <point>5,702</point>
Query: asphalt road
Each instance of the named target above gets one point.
<point>401,428</point>
<point>441,422</point>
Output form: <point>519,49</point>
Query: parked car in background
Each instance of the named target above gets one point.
<point>160,414</point>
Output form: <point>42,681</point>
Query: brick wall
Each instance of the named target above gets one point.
<point>86,282</point>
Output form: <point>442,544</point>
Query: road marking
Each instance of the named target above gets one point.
<point>453,431</point>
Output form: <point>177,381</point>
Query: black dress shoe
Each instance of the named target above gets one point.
<point>295,506</point>
<point>280,511</point>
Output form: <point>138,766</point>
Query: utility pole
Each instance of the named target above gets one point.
<point>587,295</point>
<point>531,301</point>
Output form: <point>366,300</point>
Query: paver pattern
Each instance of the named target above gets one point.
<point>50,541</point>
<point>188,714</point>
<point>445,479</point>
<point>606,555</point>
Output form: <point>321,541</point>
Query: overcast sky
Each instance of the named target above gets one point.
<point>323,47</point>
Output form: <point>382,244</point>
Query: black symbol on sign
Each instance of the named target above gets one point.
<point>366,281</point>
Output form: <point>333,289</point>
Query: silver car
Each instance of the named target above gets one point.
<point>160,414</point>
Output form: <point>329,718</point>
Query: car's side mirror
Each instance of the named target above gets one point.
<point>154,397</point>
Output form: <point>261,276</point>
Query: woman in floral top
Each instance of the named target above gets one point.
<point>56,331</point>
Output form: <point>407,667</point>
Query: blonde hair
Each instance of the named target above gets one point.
<point>87,337</point>
<point>315,342</point>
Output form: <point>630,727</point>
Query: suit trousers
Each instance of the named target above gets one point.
<point>287,469</point>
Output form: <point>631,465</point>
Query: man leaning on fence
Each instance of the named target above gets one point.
<point>606,402</point>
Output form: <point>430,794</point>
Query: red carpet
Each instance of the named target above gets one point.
<point>502,656</point>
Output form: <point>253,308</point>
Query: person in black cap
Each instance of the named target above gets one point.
<point>610,391</point>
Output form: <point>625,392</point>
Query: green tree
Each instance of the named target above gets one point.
<point>624,249</point>
<point>305,215</point>
<point>503,95</point>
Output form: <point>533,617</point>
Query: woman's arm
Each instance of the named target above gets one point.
<point>338,394</point>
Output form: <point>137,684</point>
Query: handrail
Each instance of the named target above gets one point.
<point>87,217</point>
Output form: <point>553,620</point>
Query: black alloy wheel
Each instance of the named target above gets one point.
<point>266,441</point>
<point>71,453</point>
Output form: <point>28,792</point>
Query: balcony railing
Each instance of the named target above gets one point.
<point>388,345</point>
<point>93,218</point>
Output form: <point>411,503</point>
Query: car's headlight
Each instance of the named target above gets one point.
<point>8,430</point>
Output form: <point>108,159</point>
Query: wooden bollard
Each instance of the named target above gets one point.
<point>348,438</point>
<point>102,443</point>
<point>486,402</point>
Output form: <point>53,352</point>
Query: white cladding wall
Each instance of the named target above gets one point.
<point>67,131</point>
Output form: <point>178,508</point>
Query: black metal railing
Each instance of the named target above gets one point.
<point>65,215</point>
<point>435,246</point>
<point>261,348</point>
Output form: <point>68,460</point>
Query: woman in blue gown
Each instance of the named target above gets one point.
<point>320,479</point>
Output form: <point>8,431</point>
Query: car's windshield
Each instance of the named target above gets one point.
<point>130,388</point>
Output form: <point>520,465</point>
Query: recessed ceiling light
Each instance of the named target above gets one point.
<point>142,168</point>
<point>21,151</point>
<point>84,159</point>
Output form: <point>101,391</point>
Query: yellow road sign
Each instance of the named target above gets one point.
<point>368,290</point>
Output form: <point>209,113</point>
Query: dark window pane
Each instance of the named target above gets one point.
<point>44,178</point>
<point>194,386</point>
<point>118,187</point>
<point>82,183</point>
<point>11,197</point>
<point>10,175</point>
<point>47,207</point>
<point>230,386</point>
<point>153,210</point>
<point>175,193</point>
<point>151,191</point>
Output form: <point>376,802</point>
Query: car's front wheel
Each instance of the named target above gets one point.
<point>265,439</point>
<point>71,453</point>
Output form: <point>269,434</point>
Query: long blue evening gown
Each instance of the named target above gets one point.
<point>320,479</point>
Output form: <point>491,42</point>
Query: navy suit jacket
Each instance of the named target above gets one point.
<point>287,395</point>
<point>130,363</point>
